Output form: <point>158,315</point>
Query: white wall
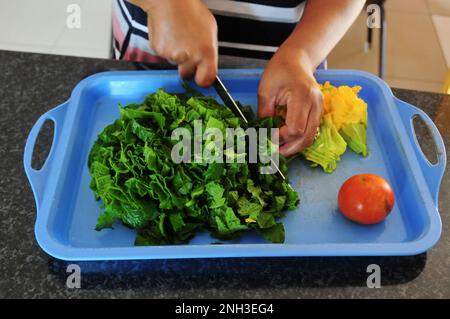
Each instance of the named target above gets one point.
<point>40,26</point>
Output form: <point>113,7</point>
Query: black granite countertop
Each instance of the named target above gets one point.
<point>31,84</point>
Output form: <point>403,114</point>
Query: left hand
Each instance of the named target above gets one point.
<point>288,80</point>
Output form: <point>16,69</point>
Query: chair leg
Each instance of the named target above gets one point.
<point>368,43</point>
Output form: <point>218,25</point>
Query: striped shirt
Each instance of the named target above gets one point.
<point>248,28</point>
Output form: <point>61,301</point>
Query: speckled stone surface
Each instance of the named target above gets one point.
<point>31,84</point>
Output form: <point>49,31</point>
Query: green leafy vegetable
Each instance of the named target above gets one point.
<point>355,136</point>
<point>274,234</point>
<point>328,147</point>
<point>139,184</point>
<point>344,123</point>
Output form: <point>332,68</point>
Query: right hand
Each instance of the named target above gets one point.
<point>184,33</point>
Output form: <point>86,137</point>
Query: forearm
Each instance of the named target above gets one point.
<point>322,25</point>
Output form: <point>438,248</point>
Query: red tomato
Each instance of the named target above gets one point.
<point>366,199</point>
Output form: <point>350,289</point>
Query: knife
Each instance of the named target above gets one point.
<point>227,99</point>
<point>231,104</point>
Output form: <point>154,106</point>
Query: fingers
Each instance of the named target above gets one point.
<point>178,57</point>
<point>298,108</point>
<point>206,70</point>
<point>185,33</point>
<point>296,120</point>
<point>282,135</point>
<point>197,63</point>
<point>297,145</point>
<point>203,69</point>
<point>187,70</point>
<point>266,106</point>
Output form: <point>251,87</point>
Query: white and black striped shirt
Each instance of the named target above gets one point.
<point>250,28</point>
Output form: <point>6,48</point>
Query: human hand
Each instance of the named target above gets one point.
<point>288,80</point>
<point>184,33</point>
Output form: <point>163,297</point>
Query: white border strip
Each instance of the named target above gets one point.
<point>256,11</point>
<point>253,47</point>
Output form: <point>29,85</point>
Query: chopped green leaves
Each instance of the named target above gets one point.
<point>167,203</point>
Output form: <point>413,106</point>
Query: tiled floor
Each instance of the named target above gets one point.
<point>417,39</point>
<point>415,57</point>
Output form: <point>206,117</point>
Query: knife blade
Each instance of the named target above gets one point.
<point>227,99</point>
<point>229,102</point>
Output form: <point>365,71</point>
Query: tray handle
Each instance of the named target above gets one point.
<point>432,172</point>
<point>38,178</point>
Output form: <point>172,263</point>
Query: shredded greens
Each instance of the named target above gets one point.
<point>138,183</point>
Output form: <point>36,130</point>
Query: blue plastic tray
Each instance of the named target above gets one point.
<point>67,211</point>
